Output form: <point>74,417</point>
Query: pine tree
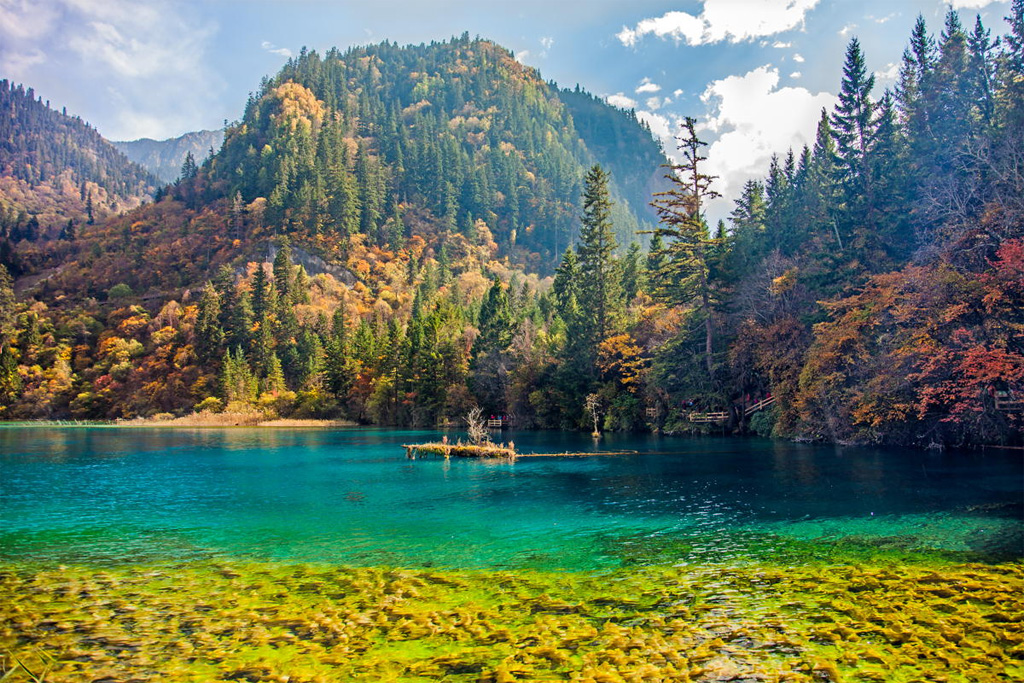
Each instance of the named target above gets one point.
<point>630,272</point>
<point>238,382</point>
<point>260,294</point>
<point>853,123</point>
<point>208,331</point>
<point>496,321</point>
<point>189,169</point>
<point>685,279</point>
<point>600,289</point>
<point>284,273</point>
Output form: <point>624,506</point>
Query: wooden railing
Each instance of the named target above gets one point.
<point>723,415</point>
<point>1009,401</point>
<point>709,417</point>
<point>760,405</point>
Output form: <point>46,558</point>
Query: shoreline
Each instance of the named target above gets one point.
<point>203,420</point>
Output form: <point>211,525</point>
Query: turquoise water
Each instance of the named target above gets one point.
<point>350,496</point>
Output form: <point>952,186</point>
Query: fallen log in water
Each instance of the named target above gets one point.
<point>460,450</point>
<point>491,450</point>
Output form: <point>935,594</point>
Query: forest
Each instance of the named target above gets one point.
<point>392,234</point>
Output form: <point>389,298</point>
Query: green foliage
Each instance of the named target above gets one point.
<point>238,382</point>
<point>120,291</point>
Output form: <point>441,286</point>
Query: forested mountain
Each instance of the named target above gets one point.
<point>623,145</point>
<point>444,135</point>
<point>164,158</point>
<point>55,168</point>
<point>415,201</point>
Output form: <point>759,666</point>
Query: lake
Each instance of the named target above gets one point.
<point>290,539</point>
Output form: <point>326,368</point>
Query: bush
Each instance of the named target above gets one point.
<point>210,404</point>
<point>763,422</point>
<point>119,291</point>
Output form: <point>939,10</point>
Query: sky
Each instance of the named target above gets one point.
<point>754,73</point>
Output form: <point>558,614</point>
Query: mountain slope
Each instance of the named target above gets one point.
<point>55,168</point>
<point>164,158</point>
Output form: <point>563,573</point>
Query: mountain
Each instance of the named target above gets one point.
<point>444,135</point>
<point>56,168</point>
<point>164,158</point>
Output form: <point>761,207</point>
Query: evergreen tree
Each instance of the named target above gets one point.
<point>238,382</point>
<point>853,125</point>
<point>496,322</point>
<point>260,294</point>
<point>686,275</point>
<point>631,275</point>
<point>209,333</point>
<point>189,169</point>
<point>600,288</point>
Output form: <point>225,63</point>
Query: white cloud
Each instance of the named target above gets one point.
<point>846,30</point>
<point>25,19</point>
<point>547,42</point>
<point>621,101</point>
<point>522,56</point>
<point>778,44</point>
<point>17,66</point>
<point>148,54</point>
<point>972,4</point>
<point>274,50</point>
<point>889,74</point>
<point>677,92</point>
<point>750,118</point>
<point>798,58</point>
<point>656,102</point>
<point>664,127</point>
<point>732,20</point>
<point>646,86</point>
<point>795,74</point>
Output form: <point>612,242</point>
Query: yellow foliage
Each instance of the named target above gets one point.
<point>298,105</point>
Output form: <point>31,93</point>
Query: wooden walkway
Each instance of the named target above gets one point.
<point>723,416</point>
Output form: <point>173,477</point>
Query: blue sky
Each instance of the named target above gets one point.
<point>755,73</point>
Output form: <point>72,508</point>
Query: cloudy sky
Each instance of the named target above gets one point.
<point>755,73</point>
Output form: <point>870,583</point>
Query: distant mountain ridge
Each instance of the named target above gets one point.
<point>164,158</point>
<point>56,168</point>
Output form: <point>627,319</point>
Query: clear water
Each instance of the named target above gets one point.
<point>351,497</point>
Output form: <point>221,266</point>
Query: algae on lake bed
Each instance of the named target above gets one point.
<point>290,622</point>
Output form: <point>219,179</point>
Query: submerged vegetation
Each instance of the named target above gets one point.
<point>813,623</point>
